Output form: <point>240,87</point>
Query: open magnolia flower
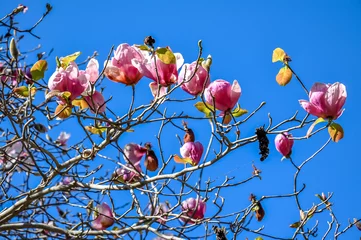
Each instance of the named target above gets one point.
<point>167,72</point>
<point>194,209</point>
<point>133,153</point>
<point>197,83</point>
<point>78,83</point>
<point>326,100</point>
<point>104,217</point>
<point>63,138</point>
<point>120,68</point>
<point>284,143</point>
<point>222,94</point>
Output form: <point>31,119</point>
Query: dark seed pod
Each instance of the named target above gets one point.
<point>149,41</point>
<point>263,143</point>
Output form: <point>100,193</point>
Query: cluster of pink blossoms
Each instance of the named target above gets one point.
<point>129,64</point>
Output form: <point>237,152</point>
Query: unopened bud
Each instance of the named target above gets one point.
<point>14,52</point>
<point>206,64</point>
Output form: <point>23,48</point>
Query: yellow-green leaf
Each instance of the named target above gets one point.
<point>295,225</point>
<point>204,108</point>
<point>81,103</point>
<point>319,120</point>
<point>62,111</point>
<point>258,238</point>
<point>67,59</point>
<point>239,111</point>
<point>38,69</point>
<point>23,91</point>
<point>278,55</point>
<point>143,47</point>
<point>336,132</point>
<point>96,130</point>
<point>166,56</point>
<point>284,76</point>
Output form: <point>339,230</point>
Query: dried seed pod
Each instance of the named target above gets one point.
<point>263,143</point>
<point>151,161</point>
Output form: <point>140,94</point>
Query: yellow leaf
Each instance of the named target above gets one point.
<point>284,76</point>
<point>336,132</point>
<point>63,111</point>
<point>178,159</point>
<point>278,55</point>
<point>81,103</point>
<point>64,61</point>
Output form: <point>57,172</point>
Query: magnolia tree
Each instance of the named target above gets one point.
<point>107,185</point>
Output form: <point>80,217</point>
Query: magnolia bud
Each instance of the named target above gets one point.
<point>14,52</point>
<point>206,64</point>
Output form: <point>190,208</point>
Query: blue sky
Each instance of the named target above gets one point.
<point>322,37</point>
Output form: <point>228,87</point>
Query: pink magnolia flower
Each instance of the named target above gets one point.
<point>96,102</point>
<point>92,70</point>
<point>66,180</point>
<point>194,209</point>
<point>120,67</point>
<point>284,144</point>
<point>192,150</point>
<point>194,85</point>
<point>133,153</point>
<point>69,79</point>
<point>63,138</point>
<point>104,217</point>
<point>7,75</point>
<point>129,173</point>
<point>17,154</point>
<point>154,89</point>
<point>167,73</point>
<point>160,210</point>
<point>326,100</point>
<point>224,94</point>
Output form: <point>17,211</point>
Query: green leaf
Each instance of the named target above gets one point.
<point>23,91</point>
<point>166,56</point>
<point>319,120</point>
<point>67,59</point>
<point>258,238</point>
<point>239,111</point>
<point>204,108</point>
<point>336,132</point>
<point>38,69</point>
